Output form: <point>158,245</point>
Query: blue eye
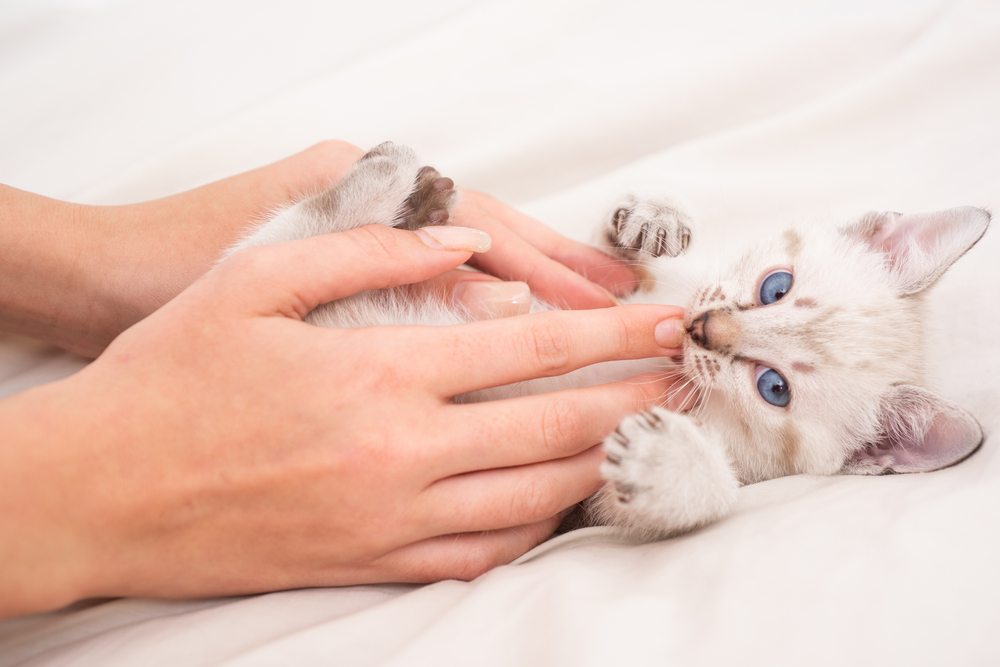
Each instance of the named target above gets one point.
<point>774,286</point>
<point>772,387</point>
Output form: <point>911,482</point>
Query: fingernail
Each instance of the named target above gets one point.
<point>489,299</point>
<point>670,333</point>
<point>447,237</point>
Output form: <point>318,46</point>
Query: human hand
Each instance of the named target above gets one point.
<point>561,271</point>
<point>77,276</point>
<point>101,269</point>
<point>223,446</point>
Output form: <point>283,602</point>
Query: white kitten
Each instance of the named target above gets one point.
<point>807,357</point>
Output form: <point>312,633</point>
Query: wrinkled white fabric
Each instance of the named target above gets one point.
<point>756,114</point>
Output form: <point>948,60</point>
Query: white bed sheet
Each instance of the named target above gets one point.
<point>757,115</point>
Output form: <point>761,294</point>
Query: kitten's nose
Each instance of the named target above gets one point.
<point>697,330</point>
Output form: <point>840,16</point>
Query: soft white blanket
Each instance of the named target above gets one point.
<point>757,114</point>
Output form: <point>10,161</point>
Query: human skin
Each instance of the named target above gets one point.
<point>90,272</point>
<point>222,445</point>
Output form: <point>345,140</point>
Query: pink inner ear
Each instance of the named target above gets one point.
<point>923,231</point>
<point>919,247</point>
<point>895,239</point>
<point>949,439</point>
<point>914,445</point>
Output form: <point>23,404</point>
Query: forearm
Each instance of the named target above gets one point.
<point>50,287</point>
<point>76,276</point>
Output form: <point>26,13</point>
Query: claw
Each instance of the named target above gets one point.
<point>620,438</point>
<point>641,239</point>
<point>615,460</point>
<point>661,242</point>
<point>620,216</point>
<point>651,419</point>
<point>625,492</point>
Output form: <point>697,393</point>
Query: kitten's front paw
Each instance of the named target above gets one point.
<point>665,474</point>
<point>634,452</point>
<point>642,228</point>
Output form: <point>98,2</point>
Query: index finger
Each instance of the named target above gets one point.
<point>586,261</point>
<point>498,352</point>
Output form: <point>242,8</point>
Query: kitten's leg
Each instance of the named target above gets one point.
<point>386,186</point>
<point>666,474</point>
<point>644,228</point>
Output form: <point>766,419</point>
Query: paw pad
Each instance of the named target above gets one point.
<point>431,201</point>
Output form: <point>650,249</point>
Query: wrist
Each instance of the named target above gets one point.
<point>54,278</point>
<point>49,534</point>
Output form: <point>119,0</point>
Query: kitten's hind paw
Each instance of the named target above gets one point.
<point>386,186</point>
<point>643,228</point>
<point>431,201</point>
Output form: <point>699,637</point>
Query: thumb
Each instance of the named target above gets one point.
<point>293,278</point>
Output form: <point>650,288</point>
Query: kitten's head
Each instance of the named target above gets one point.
<point>810,354</point>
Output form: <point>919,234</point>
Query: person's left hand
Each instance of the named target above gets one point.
<point>104,268</point>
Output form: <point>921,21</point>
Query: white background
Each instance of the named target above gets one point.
<point>757,114</point>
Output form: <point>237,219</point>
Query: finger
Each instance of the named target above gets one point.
<point>504,497</point>
<point>482,296</point>
<point>533,429</point>
<point>513,258</point>
<point>498,352</point>
<point>611,273</point>
<point>244,196</point>
<point>316,168</point>
<point>463,556</point>
<point>293,278</point>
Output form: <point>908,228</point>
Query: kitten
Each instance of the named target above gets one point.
<point>807,357</point>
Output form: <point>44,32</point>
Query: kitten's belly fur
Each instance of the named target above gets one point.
<point>670,472</point>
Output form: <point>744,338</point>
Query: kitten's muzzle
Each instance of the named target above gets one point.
<point>716,330</point>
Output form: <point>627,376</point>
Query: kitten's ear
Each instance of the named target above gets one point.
<point>919,247</point>
<point>921,432</point>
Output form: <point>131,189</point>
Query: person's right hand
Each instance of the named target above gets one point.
<point>223,446</point>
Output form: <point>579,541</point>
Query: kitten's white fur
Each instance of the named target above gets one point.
<point>848,337</point>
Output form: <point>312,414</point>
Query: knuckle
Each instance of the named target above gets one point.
<point>642,390</point>
<point>631,344</point>
<point>375,241</point>
<point>561,425</point>
<point>478,196</point>
<point>547,344</point>
<point>254,260</point>
<point>336,150</point>
<point>533,500</point>
<point>477,561</point>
